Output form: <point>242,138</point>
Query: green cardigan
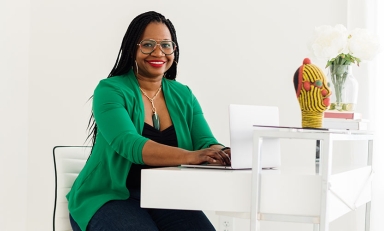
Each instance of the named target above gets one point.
<point>119,114</point>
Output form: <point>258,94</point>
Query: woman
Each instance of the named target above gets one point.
<point>142,118</point>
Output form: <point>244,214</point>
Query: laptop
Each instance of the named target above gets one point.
<point>242,119</point>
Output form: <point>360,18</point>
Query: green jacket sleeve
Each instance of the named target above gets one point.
<point>115,123</point>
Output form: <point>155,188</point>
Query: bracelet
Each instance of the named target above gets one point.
<point>225,148</point>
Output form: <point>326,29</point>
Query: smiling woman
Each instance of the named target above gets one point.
<point>141,118</point>
<point>152,62</point>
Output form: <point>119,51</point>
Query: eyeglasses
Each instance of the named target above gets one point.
<point>148,46</point>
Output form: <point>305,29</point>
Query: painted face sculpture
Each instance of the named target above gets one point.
<point>312,92</point>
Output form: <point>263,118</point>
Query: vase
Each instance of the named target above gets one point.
<point>344,88</point>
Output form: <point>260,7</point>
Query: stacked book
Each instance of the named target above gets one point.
<point>344,120</point>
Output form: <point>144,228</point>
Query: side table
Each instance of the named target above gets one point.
<point>317,198</point>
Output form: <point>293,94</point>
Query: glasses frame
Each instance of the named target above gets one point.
<point>157,44</point>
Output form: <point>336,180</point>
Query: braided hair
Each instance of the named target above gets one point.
<point>126,58</point>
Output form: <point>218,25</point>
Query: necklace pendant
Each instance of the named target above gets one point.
<point>156,121</point>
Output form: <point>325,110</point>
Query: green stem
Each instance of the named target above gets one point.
<point>338,76</point>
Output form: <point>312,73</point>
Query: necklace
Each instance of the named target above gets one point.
<point>155,116</point>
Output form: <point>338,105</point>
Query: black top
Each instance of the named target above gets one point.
<point>167,137</point>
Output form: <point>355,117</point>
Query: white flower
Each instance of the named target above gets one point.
<point>328,42</point>
<point>363,44</point>
<point>338,46</point>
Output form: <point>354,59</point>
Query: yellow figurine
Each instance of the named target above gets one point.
<point>312,91</point>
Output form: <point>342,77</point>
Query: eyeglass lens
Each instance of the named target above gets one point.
<point>148,46</point>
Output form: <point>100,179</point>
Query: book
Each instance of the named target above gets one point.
<point>348,124</point>
<point>343,115</point>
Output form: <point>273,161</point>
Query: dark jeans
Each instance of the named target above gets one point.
<point>127,215</point>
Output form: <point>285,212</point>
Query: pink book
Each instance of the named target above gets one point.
<point>343,115</point>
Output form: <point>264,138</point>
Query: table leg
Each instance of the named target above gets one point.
<point>368,216</point>
<point>368,205</point>
<point>325,171</point>
<point>255,188</point>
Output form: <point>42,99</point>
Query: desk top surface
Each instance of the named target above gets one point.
<point>311,130</point>
<point>306,133</point>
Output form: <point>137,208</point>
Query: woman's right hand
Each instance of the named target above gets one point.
<point>209,155</point>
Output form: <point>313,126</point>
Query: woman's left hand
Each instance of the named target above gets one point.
<point>226,153</point>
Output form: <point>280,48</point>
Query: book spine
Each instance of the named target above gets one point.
<point>342,115</point>
<point>342,120</point>
<point>344,125</point>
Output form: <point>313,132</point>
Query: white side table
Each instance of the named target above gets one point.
<point>317,198</point>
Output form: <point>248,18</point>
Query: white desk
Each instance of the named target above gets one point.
<point>274,195</point>
<point>196,189</point>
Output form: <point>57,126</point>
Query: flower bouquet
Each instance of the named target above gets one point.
<point>341,48</point>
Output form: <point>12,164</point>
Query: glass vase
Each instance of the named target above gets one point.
<point>344,87</point>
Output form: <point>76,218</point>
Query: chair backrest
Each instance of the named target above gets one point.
<point>68,162</point>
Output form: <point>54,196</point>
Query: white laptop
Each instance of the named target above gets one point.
<point>242,119</point>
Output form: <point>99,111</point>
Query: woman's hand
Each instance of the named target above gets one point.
<point>210,155</point>
<point>228,152</point>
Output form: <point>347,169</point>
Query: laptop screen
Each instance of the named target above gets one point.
<point>242,118</point>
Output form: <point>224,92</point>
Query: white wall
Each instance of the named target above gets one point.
<point>231,52</point>
<point>14,51</point>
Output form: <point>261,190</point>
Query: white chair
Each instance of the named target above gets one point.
<point>68,162</point>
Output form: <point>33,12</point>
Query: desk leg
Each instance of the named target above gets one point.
<point>368,205</point>
<point>325,171</point>
<point>255,184</point>
<point>368,216</point>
